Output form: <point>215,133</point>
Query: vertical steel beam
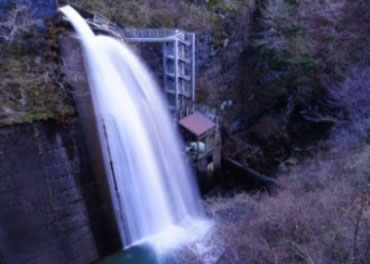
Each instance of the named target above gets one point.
<point>176,62</point>
<point>193,66</point>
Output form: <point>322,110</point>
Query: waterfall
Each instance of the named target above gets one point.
<point>155,188</point>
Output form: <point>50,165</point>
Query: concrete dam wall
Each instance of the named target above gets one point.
<point>50,210</point>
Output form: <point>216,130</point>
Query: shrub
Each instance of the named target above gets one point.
<point>321,215</point>
<point>307,41</point>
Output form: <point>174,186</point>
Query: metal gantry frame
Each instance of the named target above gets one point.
<point>178,64</point>
<point>178,52</point>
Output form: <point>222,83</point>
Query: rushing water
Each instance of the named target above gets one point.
<point>157,193</point>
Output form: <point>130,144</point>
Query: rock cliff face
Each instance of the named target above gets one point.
<point>218,67</point>
<point>50,211</point>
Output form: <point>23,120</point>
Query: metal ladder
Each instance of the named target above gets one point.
<point>179,72</point>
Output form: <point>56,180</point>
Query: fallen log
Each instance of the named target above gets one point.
<point>250,177</point>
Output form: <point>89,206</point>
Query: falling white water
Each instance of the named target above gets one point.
<point>157,193</point>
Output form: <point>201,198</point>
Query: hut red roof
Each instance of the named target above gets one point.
<point>197,123</point>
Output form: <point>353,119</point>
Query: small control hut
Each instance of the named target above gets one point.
<point>202,144</point>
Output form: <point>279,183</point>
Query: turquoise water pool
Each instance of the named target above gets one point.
<point>137,255</point>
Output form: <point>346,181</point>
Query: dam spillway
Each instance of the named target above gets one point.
<point>152,185</point>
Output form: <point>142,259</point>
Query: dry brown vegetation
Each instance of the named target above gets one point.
<point>220,17</point>
<point>320,215</point>
<point>32,84</point>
